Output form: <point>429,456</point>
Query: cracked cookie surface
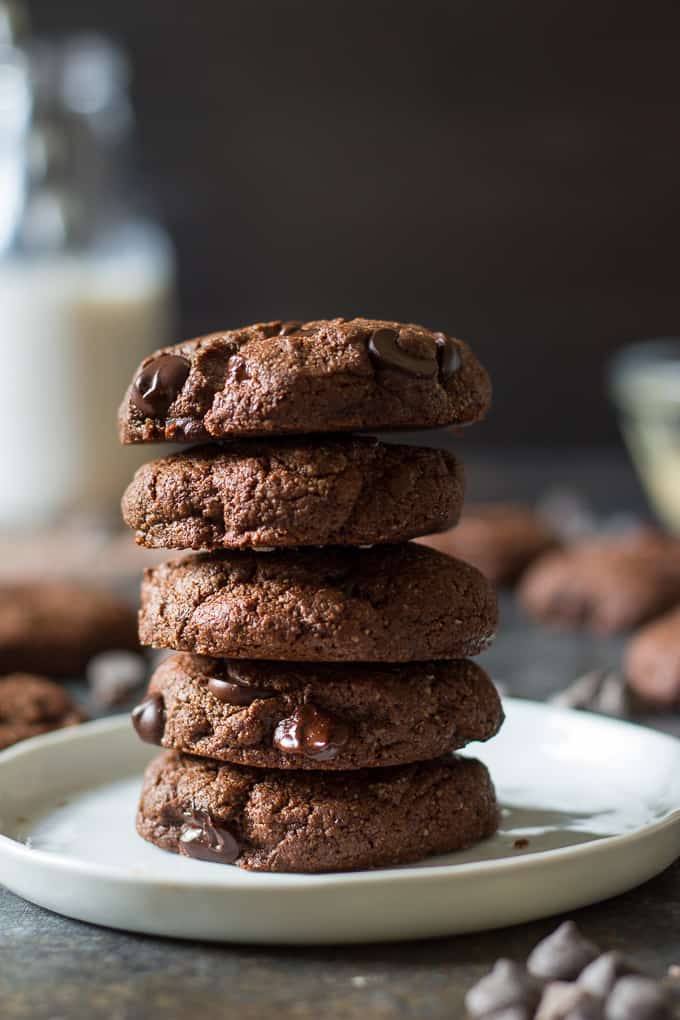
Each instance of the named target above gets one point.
<point>293,493</point>
<point>268,820</point>
<point>391,603</point>
<point>347,716</point>
<point>320,376</point>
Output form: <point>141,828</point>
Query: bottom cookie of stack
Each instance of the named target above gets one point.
<point>271,820</point>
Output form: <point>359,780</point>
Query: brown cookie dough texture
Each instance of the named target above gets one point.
<point>30,705</point>
<point>500,539</point>
<point>652,660</point>
<point>56,627</point>
<point>293,493</point>
<point>268,820</point>
<point>391,603</point>
<point>323,376</point>
<point>606,584</point>
<point>320,716</point>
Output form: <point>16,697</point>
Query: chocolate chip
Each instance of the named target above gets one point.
<point>158,384</point>
<point>148,718</point>
<point>637,998</point>
<point>561,998</point>
<point>588,1010</point>
<point>204,840</point>
<point>386,351</point>
<point>507,985</point>
<point>601,975</point>
<point>186,430</point>
<point>563,955</point>
<point>312,733</point>
<point>236,692</point>
<point>448,356</point>
<point>292,326</point>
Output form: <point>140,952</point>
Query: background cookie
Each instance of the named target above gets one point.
<point>317,716</point>
<point>293,493</point>
<point>607,584</point>
<point>500,539</point>
<point>652,660</point>
<point>56,627</point>
<point>324,376</point>
<point>30,705</point>
<point>266,820</point>
<point>391,603</point>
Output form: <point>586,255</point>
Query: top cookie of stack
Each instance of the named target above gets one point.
<point>274,479</point>
<point>279,378</point>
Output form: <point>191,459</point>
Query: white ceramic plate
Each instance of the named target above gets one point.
<point>598,800</point>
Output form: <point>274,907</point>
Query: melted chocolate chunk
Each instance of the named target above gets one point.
<point>448,357</point>
<point>385,350</point>
<point>158,384</point>
<point>203,840</point>
<point>148,719</point>
<point>311,732</point>
<point>186,430</point>
<point>236,692</point>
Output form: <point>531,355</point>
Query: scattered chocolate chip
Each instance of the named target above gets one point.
<point>448,357</point>
<point>508,985</point>
<point>204,840</point>
<point>113,676</point>
<point>291,326</point>
<point>638,998</point>
<point>311,732</point>
<point>600,976</point>
<point>148,718</point>
<point>158,384</point>
<point>563,955</point>
<point>384,347</point>
<point>521,844</point>
<point>561,998</point>
<point>236,692</point>
<point>591,1010</point>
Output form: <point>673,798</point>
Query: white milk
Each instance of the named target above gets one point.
<point>72,330</point>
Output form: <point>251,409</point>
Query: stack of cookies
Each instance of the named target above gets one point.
<point>320,679</point>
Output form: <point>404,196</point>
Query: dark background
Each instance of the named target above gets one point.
<point>506,171</point>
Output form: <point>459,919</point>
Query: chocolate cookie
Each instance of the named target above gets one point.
<point>293,493</point>
<point>500,539</point>
<point>317,716</point>
<point>607,584</point>
<point>30,705</point>
<point>292,377</point>
<point>266,820</point>
<point>391,603</point>
<point>652,660</point>
<point>56,627</point>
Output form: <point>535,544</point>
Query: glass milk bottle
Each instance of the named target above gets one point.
<point>86,289</point>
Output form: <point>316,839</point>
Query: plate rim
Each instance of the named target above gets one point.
<point>291,882</point>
